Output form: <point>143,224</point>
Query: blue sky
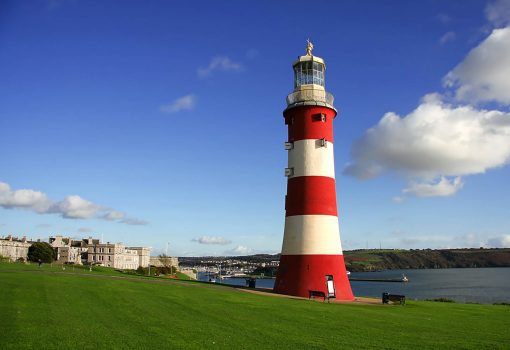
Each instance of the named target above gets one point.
<point>161,122</point>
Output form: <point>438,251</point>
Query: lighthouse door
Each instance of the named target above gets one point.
<point>331,286</point>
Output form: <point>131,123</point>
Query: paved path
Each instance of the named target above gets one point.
<point>356,301</point>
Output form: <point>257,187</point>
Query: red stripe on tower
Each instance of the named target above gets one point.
<point>310,195</point>
<point>312,258</point>
<point>314,122</point>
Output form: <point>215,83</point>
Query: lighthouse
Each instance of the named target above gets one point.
<point>311,261</point>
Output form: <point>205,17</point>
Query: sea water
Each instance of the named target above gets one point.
<point>475,285</point>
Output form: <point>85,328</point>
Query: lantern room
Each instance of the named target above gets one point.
<point>309,70</point>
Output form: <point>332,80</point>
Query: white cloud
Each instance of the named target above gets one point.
<point>484,75</point>
<point>85,229</point>
<point>444,241</point>
<point>24,198</point>
<point>75,207</point>
<point>71,207</point>
<point>211,240</point>
<point>437,143</point>
<point>471,240</point>
<point>449,36</point>
<point>498,12</point>
<point>221,63</point>
<point>441,188</point>
<point>240,250</point>
<point>184,103</point>
<point>474,240</point>
<point>434,141</point>
<point>502,241</point>
<point>134,221</point>
<point>113,215</point>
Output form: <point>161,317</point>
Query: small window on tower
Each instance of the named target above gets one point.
<point>319,117</point>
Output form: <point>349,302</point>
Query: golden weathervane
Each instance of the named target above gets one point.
<point>309,47</point>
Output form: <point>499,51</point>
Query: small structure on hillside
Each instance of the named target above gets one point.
<point>167,261</point>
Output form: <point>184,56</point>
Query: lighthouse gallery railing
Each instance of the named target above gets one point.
<point>310,95</point>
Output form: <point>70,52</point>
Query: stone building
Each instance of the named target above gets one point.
<point>69,251</point>
<point>144,255</point>
<point>118,256</point>
<point>14,248</point>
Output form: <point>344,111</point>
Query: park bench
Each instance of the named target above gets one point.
<point>394,298</point>
<point>317,293</point>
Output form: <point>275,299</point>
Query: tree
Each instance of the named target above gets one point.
<point>40,251</point>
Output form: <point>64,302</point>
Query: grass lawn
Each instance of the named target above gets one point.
<point>49,308</point>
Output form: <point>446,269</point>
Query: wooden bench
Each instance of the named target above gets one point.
<point>394,298</point>
<point>317,293</point>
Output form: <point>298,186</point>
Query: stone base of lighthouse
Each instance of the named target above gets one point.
<point>300,274</point>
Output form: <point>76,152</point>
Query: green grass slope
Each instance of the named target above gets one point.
<point>53,309</point>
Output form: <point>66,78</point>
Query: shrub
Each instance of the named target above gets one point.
<point>441,300</point>
<point>166,270</point>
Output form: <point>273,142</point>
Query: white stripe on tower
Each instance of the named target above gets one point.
<point>311,234</point>
<point>310,158</point>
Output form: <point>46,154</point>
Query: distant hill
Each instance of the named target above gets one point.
<point>390,259</point>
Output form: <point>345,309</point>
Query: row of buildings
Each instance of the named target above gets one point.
<point>94,252</point>
<point>84,251</point>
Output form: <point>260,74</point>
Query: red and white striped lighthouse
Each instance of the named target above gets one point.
<point>312,259</point>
